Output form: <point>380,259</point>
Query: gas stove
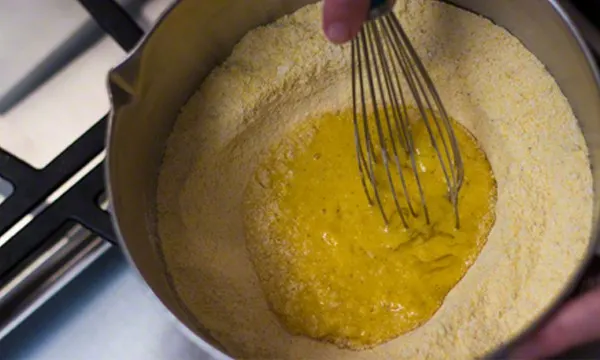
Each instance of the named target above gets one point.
<point>66,291</point>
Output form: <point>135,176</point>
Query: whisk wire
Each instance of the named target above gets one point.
<point>394,114</point>
<point>373,37</point>
<point>453,174</point>
<point>362,164</point>
<point>412,82</point>
<point>380,53</point>
<point>368,164</point>
<point>404,123</point>
<point>370,65</point>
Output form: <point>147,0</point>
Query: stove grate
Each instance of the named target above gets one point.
<point>31,187</point>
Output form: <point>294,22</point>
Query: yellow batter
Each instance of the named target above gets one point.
<point>330,267</point>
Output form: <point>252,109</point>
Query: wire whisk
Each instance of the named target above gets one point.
<point>386,70</point>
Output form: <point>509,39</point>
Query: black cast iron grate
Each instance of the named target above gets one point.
<point>31,186</point>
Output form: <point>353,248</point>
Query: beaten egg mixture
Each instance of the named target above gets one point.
<point>330,266</point>
<point>286,74</point>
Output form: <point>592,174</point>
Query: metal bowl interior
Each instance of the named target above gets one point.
<point>150,86</point>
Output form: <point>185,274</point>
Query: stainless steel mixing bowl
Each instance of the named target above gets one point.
<point>151,85</point>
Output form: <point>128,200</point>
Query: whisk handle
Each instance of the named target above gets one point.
<point>380,7</point>
<point>377,3</point>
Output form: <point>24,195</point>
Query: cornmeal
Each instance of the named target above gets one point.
<point>285,73</point>
<point>331,268</point>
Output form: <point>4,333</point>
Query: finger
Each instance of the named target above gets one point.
<point>342,19</point>
<point>577,323</point>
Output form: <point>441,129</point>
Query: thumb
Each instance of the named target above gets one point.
<point>342,19</point>
<point>577,323</point>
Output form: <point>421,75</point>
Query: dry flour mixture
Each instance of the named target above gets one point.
<point>284,73</point>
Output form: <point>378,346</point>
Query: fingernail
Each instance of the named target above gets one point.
<point>338,32</point>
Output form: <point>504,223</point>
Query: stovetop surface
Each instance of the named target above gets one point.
<point>90,305</point>
<point>105,313</point>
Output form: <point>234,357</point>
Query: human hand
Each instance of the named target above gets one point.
<point>577,323</point>
<point>342,19</point>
